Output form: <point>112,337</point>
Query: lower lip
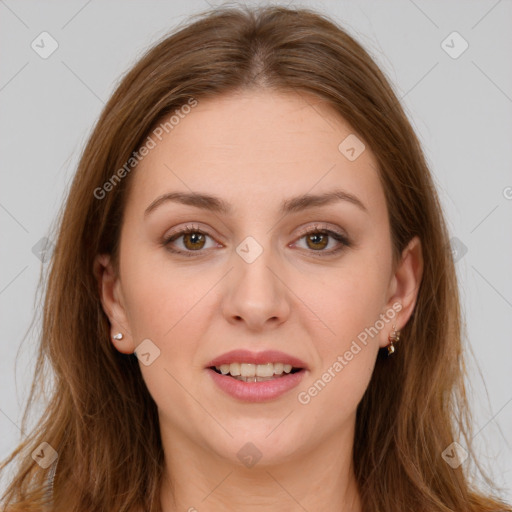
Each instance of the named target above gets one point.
<point>256,391</point>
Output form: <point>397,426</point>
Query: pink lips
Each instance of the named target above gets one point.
<point>256,391</point>
<point>267,356</point>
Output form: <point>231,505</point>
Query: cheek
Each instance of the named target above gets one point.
<point>350,306</point>
<point>335,392</point>
<point>159,297</point>
<point>349,299</point>
<point>346,352</point>
<point>170,308</point>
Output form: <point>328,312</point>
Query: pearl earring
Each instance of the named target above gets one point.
<point>118,336</point>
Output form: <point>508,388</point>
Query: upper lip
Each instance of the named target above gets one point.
<point>266,356</point>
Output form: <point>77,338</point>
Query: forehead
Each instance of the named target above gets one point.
<point>270,143</point>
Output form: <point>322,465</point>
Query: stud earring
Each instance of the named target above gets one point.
<point>393,337</point>
<point>118,336</point>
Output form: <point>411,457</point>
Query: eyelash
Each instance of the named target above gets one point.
<point>342,239</point>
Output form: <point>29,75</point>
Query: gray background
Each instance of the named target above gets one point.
<point>460,107</point>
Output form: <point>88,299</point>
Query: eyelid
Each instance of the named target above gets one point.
<point>320,227</point>
<point>183,229</point>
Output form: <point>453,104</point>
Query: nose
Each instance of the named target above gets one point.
<point>256,293</point>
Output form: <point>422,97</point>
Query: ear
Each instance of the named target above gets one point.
<point>403,287</point>
<point>110,291</point>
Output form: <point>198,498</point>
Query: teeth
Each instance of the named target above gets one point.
<point>254,370</point>
<point>225,368</point>
<point>247,370</point>
<point>256,379</point>
<point>278,368</point>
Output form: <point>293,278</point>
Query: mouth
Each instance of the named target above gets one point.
<point>253,383</point>
<point>247,372</point>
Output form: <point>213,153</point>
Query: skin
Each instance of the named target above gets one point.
<point>255,149</point>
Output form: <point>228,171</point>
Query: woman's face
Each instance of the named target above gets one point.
<point>258,276</point>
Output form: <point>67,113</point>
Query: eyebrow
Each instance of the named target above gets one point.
<point>218,205</point>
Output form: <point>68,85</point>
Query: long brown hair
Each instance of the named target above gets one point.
<point>101,419</point>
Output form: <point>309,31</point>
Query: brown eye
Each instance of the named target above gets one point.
<point>193,241</point>
<point>318,241</point>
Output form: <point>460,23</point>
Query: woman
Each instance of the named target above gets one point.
<point>251,304</point>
